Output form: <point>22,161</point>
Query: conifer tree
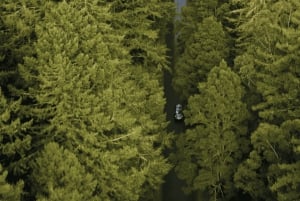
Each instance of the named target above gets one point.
<point>266,166</point>
<point>9,192</point>
<point>15,142</point>
<point>58,175</point>
<point>18,19</point>
<point>269,67</point>
<point>287,184</point>
<point>209,152</point>
<point>94,104</point>
<point>17,35</point>
<point>204,49</point>
<point>278,82</point>
<point>14,146</point>
<point>194,13</point>
<point>144,25</point>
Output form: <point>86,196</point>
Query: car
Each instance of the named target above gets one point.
<point>178,112</point>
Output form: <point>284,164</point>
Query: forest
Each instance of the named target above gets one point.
<point>82,104</point>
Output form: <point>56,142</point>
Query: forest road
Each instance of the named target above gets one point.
<point>172,188</point>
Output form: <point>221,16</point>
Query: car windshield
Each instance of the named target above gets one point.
<point>178,107</point>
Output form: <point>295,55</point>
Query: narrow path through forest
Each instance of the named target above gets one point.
<point>172,188</point>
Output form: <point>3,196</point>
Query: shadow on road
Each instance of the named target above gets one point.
<point>172,188</point>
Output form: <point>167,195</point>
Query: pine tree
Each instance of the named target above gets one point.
<point>204,50</point>
<point>93,103</point>
<point>279,82</point>
<point>58,175</point>
<point>272,151</point>
<point>194,13</point>
<point>209,152</point>
<point>15,142</point>
<point>287,184</point>
<point>9,192</point>
<point>17,35</point>
<point>17,31</point>
<point>144,25</point>
<point>269,67</point>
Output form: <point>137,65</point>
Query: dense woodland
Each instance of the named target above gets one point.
<point>82,105</point>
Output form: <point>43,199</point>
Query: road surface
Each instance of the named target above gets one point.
<point>172,188</point>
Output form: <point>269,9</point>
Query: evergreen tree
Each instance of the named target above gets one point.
<point>271,148</point>
<point>15,142</point>
<point>18,19</point>
<point>194,13</point>
<point>9,192</point>
<point>269,66</point>
<point>209,152</point>
<point>17,35</point>
<point>204,49</point>
<point>144,25</point>
<point>278,82</point>
<point>93,103</point>
<point>58,175</point>
<point>287,184</point>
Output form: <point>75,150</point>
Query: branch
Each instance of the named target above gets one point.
<point>273,149</point>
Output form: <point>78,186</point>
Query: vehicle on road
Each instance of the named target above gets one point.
<point>178,113</point>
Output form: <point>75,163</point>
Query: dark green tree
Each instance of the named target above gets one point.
<point>205,48</point>
<point>287,185</point>
<point>268,66</point>
<point>17,35</point>
<point>15,142</point>
<point>265,167</point>
<point>193,14</point>
<point>17,23</point>
<point>58,175</point>
<point>92,102</point>
<point>9,192</point>
<point>210,151</point>
<point>144,25</point>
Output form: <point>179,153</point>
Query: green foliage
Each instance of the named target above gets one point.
<point>15,142</point>
<point>205,48</point>
<point>18,19</point>
<point>210,151</point>
<point>9,192</point>
<point>263,171</point>
<point>280,85</point>
<point>268,65</point>
<point>92,102</point>
<point>144,25</point>
<point>58,175</point>
<point>192,14</point>
<point>287,184</point>
<point>82,106</point>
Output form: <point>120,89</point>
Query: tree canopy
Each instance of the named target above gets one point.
<point>86,108</point>
<point>262,46</point>
<point>83,109</point>
<point>214,145</point>
<point>205,48</point>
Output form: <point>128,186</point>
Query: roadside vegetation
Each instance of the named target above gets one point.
<point>238,70</point>
<point>82,106</point>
